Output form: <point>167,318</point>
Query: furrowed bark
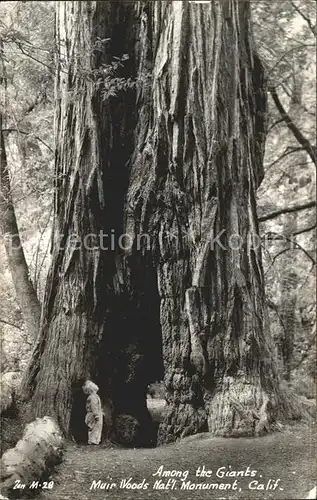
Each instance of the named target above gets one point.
<point>81,285</point>
<point>196,167</point>
<point>91,328</point>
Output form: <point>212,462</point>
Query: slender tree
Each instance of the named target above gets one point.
<point>176,161</point>
<point>25,292</point>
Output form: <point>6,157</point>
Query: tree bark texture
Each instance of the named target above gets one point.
<point>178,160</point>
<point>197,164</point>
<point>88,319</point>
<point>25,292</point>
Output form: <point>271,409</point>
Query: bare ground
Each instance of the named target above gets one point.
<point>288,456</point>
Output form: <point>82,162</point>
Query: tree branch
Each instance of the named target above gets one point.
<point>288,210</point>
<point>32,57</point>
<point>275,237</point>
<point>305,230</point>
<point>28,133</point>
<point>274,124</point>
<point>311,150</point>
<point>298,47</point>
<point>11,324</point>
<point>306,18</point>
<point>298,247</point>
<point>287,152</point>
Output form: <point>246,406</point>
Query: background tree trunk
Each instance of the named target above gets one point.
<point>289,279</point>
<point>25,292</point>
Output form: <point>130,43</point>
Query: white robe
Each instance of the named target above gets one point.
<point>94,418</point>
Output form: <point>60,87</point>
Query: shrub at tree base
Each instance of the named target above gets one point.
<point>127,430</point>
<point>33,457</point>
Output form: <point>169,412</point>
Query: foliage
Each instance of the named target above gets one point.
<point>106,80</point>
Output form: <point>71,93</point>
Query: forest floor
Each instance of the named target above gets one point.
<point>287,456</point>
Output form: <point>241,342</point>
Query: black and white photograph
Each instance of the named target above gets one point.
<point>158,250</point>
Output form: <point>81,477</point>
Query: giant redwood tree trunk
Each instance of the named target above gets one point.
<point>93,325</point>
<point>177,160</point>
<point>197,164</point>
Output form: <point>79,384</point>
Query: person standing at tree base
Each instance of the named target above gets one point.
<point>94,415</point>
